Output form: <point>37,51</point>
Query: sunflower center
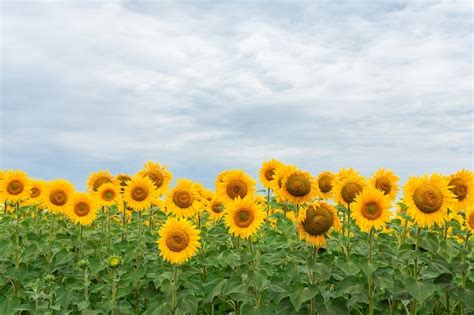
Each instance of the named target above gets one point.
<point>236,188</point>
<point>82,209</point>
<point>325,183</point>
<point>183,199</point>
<point>58,198</point>
<point>298,185</point>
<point>99,181</point>
<point>156,177</point>
<point>108,195</point>
<point>139,193</point>
<point>15,187</point>
<point>459,189</point>
<point>471,220</point>
<point>177,240</point>
<point>318,220</point>
<point>372,211</point>
<point>384,184</point>
<point>428,198</point>
<point>269,174</point>
<point>350,191</point>
<point>243,218</point>
<point>217,207</point>
<point>35,192</point>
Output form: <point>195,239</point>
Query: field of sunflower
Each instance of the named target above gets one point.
<point>336,243</point>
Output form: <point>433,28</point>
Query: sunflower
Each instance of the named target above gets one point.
<point>371,209</point>
<point>183,200</point>
<point>244,217</point>
<point>140,193</point>
<point>326,183</point>
<point>267,172</point>
<point>462,186</point>
<point>98,178</point>
<point>122,179</point>
<point>299,187</point>
<point>15,186</point>
<point>160,176</point>
<point>347,172</point>
<point>387,181</point>
<point>347,189</point>
<point>37,191</point>
<point>314,223</point>
<point>216,209</point>
<point>108,194</point>
<point>179,240</point>
<point>82,209</point>
<point>428,199</point>
<point>470,219</point>
<point>277,183</point>
<point>58,195</point>
<point>205,195</point>
<point>235,184</point>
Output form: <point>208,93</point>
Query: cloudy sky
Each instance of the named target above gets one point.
<point>203,87</point>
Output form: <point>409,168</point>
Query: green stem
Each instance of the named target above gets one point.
<point>17,235</point>
<point>415,265</point>
<point>463,274</point>
<point>268,203</point>
<point>86,290</point>
<point>124,220</point>
<point>139,238</point>
<point>371,284</point>
<point>174,306</point>
<point>348,241</point>
<point>114,291</point>
<point>81,230</point>
<point>109,225</point>
<point>312,281</point>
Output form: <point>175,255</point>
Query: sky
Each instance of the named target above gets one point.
<point>203,86</point>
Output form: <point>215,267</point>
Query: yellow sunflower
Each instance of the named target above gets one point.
<point>183,200</point>
<point>98,178</point>
<point>235,184</point>
<point>216,209</point>
<point>15,186</point>
<point>244,217</point>
<point>140,193</point>
<point>371,209</point>
<point>205,195</point>
<point>315,222</point>
<point>82,209</point>
<point>470,219</point>
<point>179,240</point>
<point>387,181</point>
<point>58,195</point>
<point>462,186</point>
<point>428,199</point>
<point>326,183</point>
<point>347,189</point>
<point>299,187</point>
<point>37,191</point>
<point>267,172</point>
<point>108,194</point>
<point>347,172</point>
<point>160,176</point>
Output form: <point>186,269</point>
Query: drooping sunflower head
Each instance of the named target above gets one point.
<point>428,199</point>
<point>58,195</point>
<point>244,217</point>
<point>371,209</point>
<point>267,172</point>
<point>179,240</point>
<point>140,193</point>
<point>98,178</point>
<point>235,184</point>
<point>82,209</point>
<point>326,183</point>
<point>37,191</point>
<point>314,223</point>
<point>160,176</point>
<point>299,187</point>
<point>461,185</point>
<point>122,179</point>
<point>15,186</point>
<point>108,194</point>
<point>204,195</point>
<point>470,219</point>
<point>280,173</point>
<point>183,200</point>
<point>347,189</point>
<point>216,209</point>
<point>387,181</point>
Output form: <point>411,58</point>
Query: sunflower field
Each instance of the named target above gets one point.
<point>335,243</point>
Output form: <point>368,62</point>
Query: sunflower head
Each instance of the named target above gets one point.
<point>108,194</point>
<point>234,184</point>
<point>216,209</point>
<point>347,189</point>
<point>140,193</point>
<point>82,209</point>
<point>371,209</point>
<point>347,172</point>
<point>267,172</point>
<point>461,184</point>
<point>158,173</point>
<point>179,240</point>
<point>122,179</point>
<point>326,183</point>
<point>315,221</point>
<point>387,181</point>
<point>244,217</point>
<point>58,195</point>
<point>15,186</point>
<point>114,261</point>
<point>299,186</point>
<point>37,191</point>
<point>183,200</point>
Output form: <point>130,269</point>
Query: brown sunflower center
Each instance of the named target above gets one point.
<point>243,218</point>
<point>156,177</point>
<point>269,172</point>
<point>325,183</point>
<point>318,220</point>
<point>350,191</point>
<point>372,211</point>
<point>236,188</point>
<point>35,192</point>
<point>298,185</point>
<point>177,240</point>
<point>108,195</point>
<point>471,220</point>
<point>82,209</point>
<point>15,187</point>
<point>58,197</point>
<point>384,184</point>
<point>99,181</point>
<point>459,188</point>
<point>217,207</point>
<point>428,198</point>
<point>139,193</point>
<point>183,199</point>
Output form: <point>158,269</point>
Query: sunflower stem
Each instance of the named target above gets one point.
<point>268,203</point>
<point>114,291</point>
<point>139,238</point>
<point>81,229</point>
<point>370,284</point>
<point>174,306</point>
<point>86,290</point>
<point>463,274</point>
<point>415,263</point>
<point>109,223</point>
<point>348,244</point>
<point>124,220</point>
<point>314,257</point>
<point>17,235</point>
<point>151,218</point>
